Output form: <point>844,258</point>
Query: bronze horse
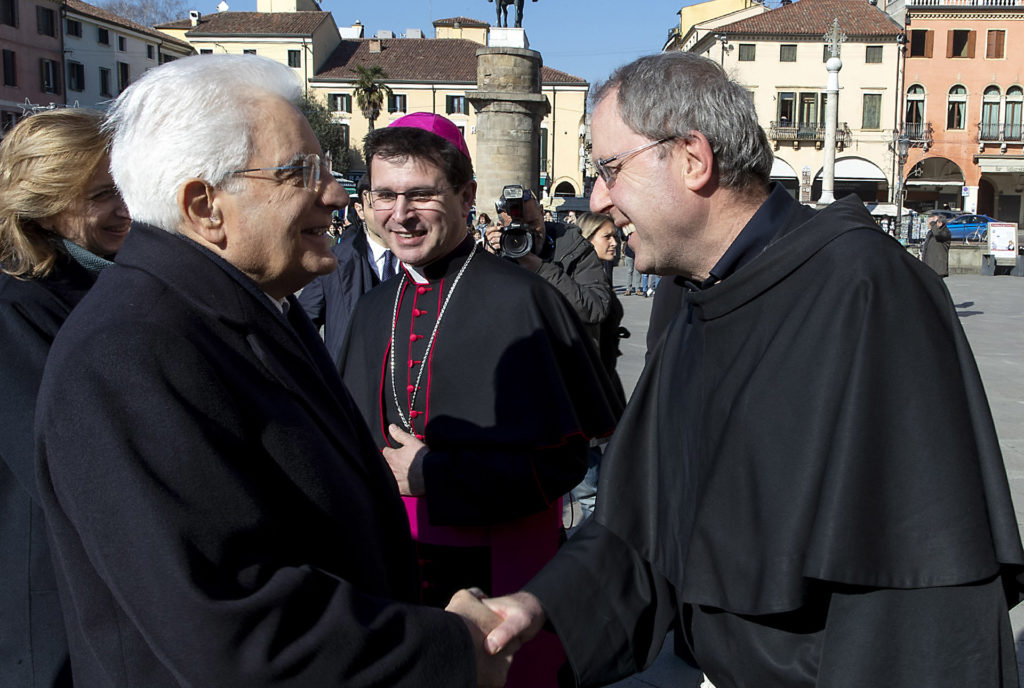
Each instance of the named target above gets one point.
<point>502,9</point>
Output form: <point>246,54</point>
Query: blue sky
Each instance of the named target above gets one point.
<point>588,38</point>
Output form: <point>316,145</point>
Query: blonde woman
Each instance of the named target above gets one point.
<point>599,230</point>
<point>61,222</point>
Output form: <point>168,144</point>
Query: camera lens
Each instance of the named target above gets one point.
<point>516,243</point>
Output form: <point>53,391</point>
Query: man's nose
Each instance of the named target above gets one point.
<point>600,201</point>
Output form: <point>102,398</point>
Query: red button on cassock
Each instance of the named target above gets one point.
<point>422,290</point>
<point>414,337</point>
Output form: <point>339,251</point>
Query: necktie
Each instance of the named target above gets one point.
<point>390,267</point>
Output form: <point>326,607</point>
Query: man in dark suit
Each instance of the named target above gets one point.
<point>219,513</point>
<point>364,261</point>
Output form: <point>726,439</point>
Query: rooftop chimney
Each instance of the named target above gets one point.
<point>193,16</point>
<point>374,45</point>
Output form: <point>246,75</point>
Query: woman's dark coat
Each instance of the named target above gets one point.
<point>33,648</point>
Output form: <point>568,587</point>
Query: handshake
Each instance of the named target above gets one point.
<point>498,627</point>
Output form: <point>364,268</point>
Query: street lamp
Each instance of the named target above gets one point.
<point>726,48</point>
<point>902,152</point>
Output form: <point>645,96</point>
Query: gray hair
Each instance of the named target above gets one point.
<point>190,118</point>
<point>676,93</point>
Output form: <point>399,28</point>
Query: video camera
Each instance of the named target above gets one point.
<point>516,238</point>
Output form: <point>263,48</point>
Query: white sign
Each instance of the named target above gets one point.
<point>1002,242</point>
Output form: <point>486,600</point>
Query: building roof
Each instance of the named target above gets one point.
<point>857,18</point>
<point>420,59</point>
<point>94,12</point>
<point>464,21</point>
<point>253,24</point>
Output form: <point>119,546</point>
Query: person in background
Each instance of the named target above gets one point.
<point>364,261</point>
<point>599,229</point>
<point>482,223</point>
<point>61,223</point>
<point>935,251</point>
<point>565,259</point>
<point>632,274</point>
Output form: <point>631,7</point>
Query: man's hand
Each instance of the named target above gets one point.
<point>522,619</point>
<point>492,239</point>
<point>406,461</point>
<point>491,668</point>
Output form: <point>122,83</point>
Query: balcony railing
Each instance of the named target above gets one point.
<point>919,133</point>
<point>958,4</point>
<point>808,133</point>
<point>1000,132</point>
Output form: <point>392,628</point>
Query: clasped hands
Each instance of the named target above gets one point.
<point>498,627</point>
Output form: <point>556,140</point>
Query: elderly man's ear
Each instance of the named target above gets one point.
<point>201,214</point>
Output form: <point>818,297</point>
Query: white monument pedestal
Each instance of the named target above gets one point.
<point>507,38</point>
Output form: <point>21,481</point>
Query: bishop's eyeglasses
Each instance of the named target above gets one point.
<point>416,198</point>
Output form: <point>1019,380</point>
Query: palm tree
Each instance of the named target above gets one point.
<point>370,91</point>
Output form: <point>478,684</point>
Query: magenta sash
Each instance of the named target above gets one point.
<point>518,551</point>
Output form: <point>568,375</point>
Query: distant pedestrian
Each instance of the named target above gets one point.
<point>935,252</point>
<point>632,276</point>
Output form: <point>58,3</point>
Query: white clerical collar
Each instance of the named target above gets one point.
<point>415,274</point>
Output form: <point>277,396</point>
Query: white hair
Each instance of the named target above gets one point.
<point>190,118</point>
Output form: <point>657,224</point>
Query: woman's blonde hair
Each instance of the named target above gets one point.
<point>591,222</point>
<point>46,161</point>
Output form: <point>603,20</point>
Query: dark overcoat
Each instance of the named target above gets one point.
<point>33,648</point>
<point>219,513</point>
<point>794,489</point>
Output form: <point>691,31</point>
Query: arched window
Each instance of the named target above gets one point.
<point>1012,122</point>
<point>990,114</point>
<point>915,112</point>
<point>956,108</point>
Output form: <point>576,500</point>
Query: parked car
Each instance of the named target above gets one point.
<point>946,215</point>
<point>970,228</point>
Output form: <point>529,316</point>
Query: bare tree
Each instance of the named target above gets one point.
<point>148,12</point>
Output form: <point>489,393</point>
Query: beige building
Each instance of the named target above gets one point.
<point>438,75</point>
<point>779,56</point>
<point>424,74</point>
<point>303,39</point>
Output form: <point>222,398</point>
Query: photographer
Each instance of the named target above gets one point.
<point>557,252</point>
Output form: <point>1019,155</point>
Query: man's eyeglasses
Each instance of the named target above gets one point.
<point>608,173</point>
<point>313,168</point>
<point>416,198</point>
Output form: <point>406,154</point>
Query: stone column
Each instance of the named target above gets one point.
<point>828,172</point>
<point>510,107</point>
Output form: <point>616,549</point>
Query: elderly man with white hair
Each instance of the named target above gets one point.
<point>219,513</point>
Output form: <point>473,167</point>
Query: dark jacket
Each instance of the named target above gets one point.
<point>571,265</point>
<point>220,514</point>
<point>782,475</point>
<point>935,251</point>
<point>330,299</point>
<point>33,648</point>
